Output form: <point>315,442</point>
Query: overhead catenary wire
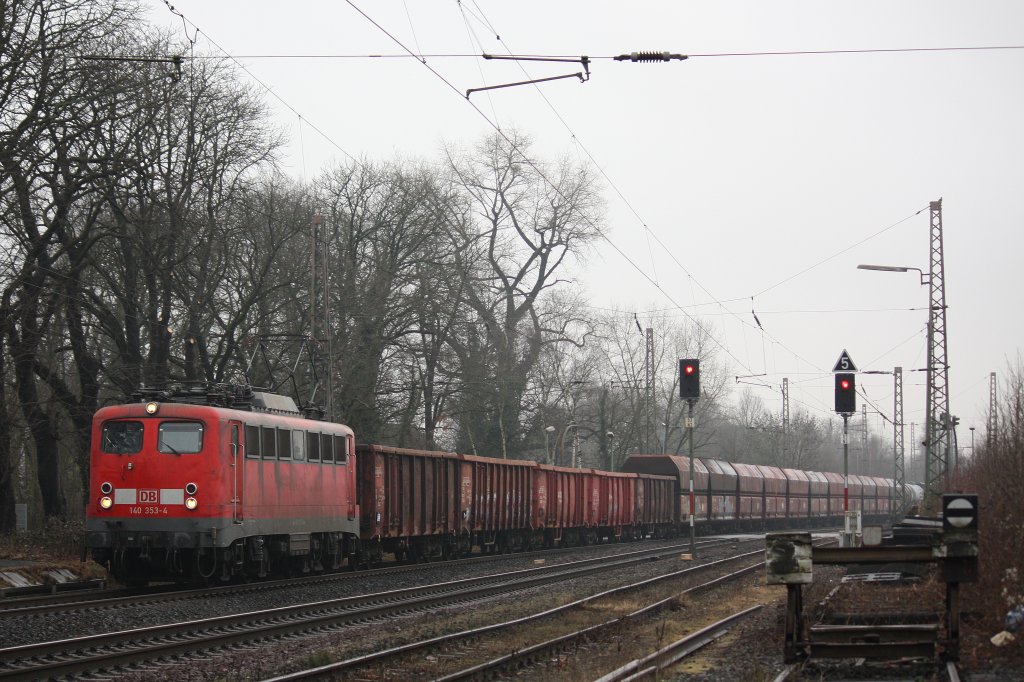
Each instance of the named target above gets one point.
<point>692,55</point>
<point>541,174</point>
<point>422,57</point>
<point>477,109</point>
<point>648,232</point>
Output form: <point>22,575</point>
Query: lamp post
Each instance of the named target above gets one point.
<point>972,442</point>
<point>666,434</point>
<point>937,391</point>
<point>570,425</point>
<point>547,453</point>
<point>611,450</point>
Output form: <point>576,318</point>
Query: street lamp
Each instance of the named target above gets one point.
<point>666,434</point>
<point>570,425</point>
<point>547,453</point>
<point>935,375</point>
<point>972,442</point>
<point>925,279</point>
<point>611,450</point>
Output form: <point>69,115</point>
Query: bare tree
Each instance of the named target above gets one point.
<point>52,112</point>
<point>180,226</point>
<point>527,220</point>
<point>386,245</point>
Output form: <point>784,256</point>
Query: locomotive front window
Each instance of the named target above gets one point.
<point>122,438</point>
<point>180,438</point>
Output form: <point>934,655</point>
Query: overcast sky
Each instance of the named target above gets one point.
<point>728,177</point>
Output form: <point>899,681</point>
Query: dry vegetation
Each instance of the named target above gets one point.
<point>56,545</point>
<point>996,473</point>
<point>57,542</point>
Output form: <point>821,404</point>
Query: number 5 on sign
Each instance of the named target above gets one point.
<point>844,363</point>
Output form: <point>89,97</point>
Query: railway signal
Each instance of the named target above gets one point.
<point>960,512</point>
<point>846,394</point>
<point>689,379</point>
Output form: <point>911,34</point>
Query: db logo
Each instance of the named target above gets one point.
<point>147,497</point>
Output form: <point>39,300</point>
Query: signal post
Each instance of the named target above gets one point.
<point>845,405</point>
<point>689,390</point>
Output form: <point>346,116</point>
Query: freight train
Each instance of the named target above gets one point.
<point>226,482</point>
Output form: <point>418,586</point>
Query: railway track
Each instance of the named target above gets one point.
<point>951,671</point>
<point>394,659</point>
<point>111,651</point>
<point>130,597</point>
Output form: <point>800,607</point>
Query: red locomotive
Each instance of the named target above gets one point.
<point>240,484</point>
<point>216,483</point>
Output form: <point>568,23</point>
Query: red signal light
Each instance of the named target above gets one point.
<point>846,393</point>
<point>689,378</point>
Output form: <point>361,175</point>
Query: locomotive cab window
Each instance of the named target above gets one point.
<point>313,449</point>
<point>122,438</point>
<point>268,442</point>
<point>299,445</point>
<point>326,451</point>
<point>252,441</point>
<point>180,438</point>
<point>284,444</point>
<point>340,449</point>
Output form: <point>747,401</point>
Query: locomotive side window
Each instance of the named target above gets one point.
<point>180,438</point>
<point>299,445</point>
<point>268,442</point>
<point>284,444</point>
<point>122,438</point>
<point>313,451</point>
<point>340,449</point>
<point>252,441</point>
<point>326,451</point>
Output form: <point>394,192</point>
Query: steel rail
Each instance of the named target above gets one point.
<point>376,657</point>
<point>564,640</point>
<point>121,598</point>
<point>650,665</point>
<point>108,650</point>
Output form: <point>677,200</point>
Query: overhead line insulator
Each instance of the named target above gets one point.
<point>650,57</point>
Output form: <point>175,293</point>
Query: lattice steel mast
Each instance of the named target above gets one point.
<point>993,419</point>
<point>865,460</point>
<point>649,371</point>
<point>785,418</point>
<point>320,317</point>
<point>937,426</point>
<point>899,493</point>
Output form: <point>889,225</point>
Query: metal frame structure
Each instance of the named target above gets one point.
<point>785,416</point>
<point>865,455</point>
<point>993,419</point>
<point>649,371</point>
<point>899,493</point>
<point>952,545</point>
<point>937,426</point>
<point>320,317</point>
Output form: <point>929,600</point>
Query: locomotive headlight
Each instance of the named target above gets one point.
<point>151,408</point>
<point>106,488</point>
<point>191,488</point>
<point>106,502</point>
<point>191,503</point>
